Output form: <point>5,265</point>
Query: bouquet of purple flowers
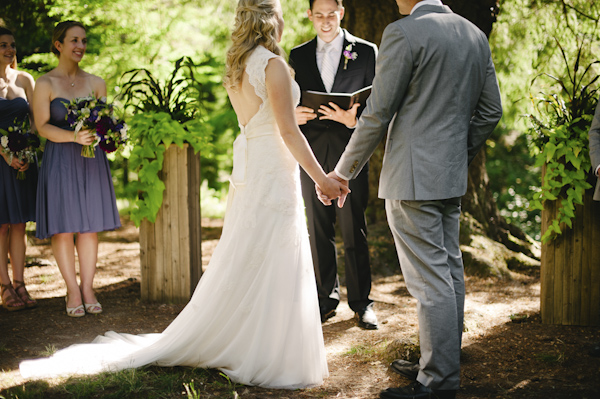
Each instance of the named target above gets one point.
<point>18,141</point>
<point>97,115</point>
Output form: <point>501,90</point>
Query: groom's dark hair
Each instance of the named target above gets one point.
<point>311,2</point>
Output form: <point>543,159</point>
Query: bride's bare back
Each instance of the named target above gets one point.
<point>245,101</point>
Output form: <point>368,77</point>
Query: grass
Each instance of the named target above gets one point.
<point>145,383</point>
<point>48,351</point>
<point>386,351</point>
<point>550,357</point>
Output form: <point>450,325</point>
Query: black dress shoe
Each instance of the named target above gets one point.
<point>326,314</point>
<point>367,319</point>
<point>417,391</point>
<point>406,369</point>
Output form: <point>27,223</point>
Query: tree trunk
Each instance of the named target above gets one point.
<point>368,22</point>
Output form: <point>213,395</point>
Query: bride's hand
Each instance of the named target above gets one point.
<point>334,187</point>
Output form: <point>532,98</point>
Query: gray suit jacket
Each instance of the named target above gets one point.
<point>595,148</point>
<point>435,88</point>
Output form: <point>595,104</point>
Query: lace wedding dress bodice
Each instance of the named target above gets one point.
<point>263,123</point>
<point>255,313</point>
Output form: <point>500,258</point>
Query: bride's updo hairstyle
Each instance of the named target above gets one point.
<point>255,24</point>
<point>60,31</point>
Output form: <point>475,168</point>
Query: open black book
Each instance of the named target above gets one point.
<point>314,99</point>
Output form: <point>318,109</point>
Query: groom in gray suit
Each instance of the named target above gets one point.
<point>435,88</point>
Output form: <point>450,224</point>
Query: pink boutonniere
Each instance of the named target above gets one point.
<point>349,54</point>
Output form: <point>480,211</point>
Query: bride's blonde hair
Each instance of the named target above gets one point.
<point>255,24</point>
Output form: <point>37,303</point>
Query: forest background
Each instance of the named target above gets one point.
<point>526,40</point>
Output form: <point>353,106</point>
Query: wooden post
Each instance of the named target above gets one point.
<point>570,267</point>
<point>170,248</point>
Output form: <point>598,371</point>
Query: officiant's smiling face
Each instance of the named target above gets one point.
<point>326,16</point>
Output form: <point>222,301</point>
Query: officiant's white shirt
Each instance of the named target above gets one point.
<point>336,50</point>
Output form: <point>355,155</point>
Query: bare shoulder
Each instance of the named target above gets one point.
<point>97,83</point>
<point>25,80</point>
<point>44,81</point>
<point>277,66</point>
<point>94,80</point>
<point>25,76</point>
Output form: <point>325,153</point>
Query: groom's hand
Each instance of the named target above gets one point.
<point>335,113</point>
<point>304,114</point>
<point>341,195</point>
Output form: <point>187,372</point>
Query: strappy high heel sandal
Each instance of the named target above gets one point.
<point>77,311</point>
<point>10,302</point>
<point>23,294</point>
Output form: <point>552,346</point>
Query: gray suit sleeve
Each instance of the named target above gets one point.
<point>595,140</point>
<point>488,112</point>
<point>392,76</point>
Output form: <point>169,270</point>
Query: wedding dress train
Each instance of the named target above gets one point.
<point>254,314</point>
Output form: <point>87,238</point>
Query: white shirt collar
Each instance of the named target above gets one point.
<point>426,2</point>
<point>337,43</point>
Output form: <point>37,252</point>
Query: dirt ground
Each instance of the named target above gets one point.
<point>507,352</point>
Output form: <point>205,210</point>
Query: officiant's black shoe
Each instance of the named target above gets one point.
<point>326,314</point>
<point>367,319</point>
<point>406,369</point>
<point>417,391</point>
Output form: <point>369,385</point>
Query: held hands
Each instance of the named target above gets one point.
<point>340,190</point>
<point>335,113</point>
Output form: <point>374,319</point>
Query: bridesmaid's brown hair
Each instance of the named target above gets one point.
<point>60,31</point>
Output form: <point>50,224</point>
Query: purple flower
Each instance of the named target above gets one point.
<point>108,145</point>
<point>33,140</point>
<point>16,141</point>
<point>103,126</point>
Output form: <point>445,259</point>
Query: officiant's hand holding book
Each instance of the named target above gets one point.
<point>339,107</point>
<point>335,113</point>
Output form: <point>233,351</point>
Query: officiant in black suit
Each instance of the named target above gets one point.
<point>336,61</point>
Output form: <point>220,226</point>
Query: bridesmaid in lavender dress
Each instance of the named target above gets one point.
<point>17,197</point>
<point>75,194</point>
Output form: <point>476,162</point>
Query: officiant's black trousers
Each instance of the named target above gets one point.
<point>321,228</point>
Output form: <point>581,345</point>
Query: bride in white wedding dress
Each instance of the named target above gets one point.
<point>254,314</point>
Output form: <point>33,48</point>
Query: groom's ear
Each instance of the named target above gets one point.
<point>309,13</point>
<point>342,10</point>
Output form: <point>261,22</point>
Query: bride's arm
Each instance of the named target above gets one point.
<point>279,90</point>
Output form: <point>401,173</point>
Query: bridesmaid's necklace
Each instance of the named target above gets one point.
<point>72,83</point>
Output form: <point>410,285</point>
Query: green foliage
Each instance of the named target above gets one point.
<point>523,43</point>
<point>560,139</point>
<point>167,113</point>
<point>180,96</point>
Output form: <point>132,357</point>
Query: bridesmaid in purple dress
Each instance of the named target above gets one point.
<point>75,194</point>
<point>17,197</point>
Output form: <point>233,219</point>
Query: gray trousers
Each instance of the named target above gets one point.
<point>426,237</point>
